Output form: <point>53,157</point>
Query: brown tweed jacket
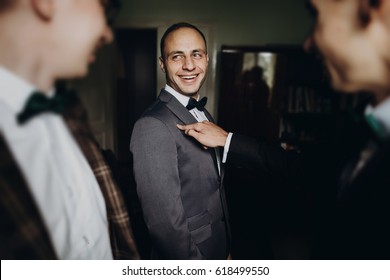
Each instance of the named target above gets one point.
<point>22,232</point>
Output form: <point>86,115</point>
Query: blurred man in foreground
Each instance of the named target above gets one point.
<point>57,196</point>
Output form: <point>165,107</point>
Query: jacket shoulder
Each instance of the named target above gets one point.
<point>160,111</point>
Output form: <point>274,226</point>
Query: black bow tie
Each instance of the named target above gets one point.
<point>38,103</point>
<point>192,103</point>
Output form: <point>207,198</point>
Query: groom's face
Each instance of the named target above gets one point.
<point>185,61</point>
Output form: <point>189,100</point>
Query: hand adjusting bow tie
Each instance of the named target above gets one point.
<point>38,103</point>
<point>192,103</point>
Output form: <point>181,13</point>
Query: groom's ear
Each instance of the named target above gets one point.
<point>162,64</point>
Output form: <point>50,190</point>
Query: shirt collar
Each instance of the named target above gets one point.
<point>182,98</point>
<point>14,91</point>
<point>382,114</point>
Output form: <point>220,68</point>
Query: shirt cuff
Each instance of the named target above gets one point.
<point>226,147</point>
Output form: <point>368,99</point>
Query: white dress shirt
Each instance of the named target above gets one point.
<point>58,175</point>
<point>226,147</point>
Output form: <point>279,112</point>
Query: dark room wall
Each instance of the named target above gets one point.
<point>249,22</point>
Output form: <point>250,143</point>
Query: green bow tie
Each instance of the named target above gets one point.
<point>376,126</point>
<point>38,103</point>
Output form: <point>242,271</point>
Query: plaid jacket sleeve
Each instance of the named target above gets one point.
<point>122,241</point>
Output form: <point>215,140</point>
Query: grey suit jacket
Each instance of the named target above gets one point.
<point>178,184</point>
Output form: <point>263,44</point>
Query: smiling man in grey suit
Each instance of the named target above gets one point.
<point>178,181</point>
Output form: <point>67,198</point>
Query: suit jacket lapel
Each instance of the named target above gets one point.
<point>367,173</point>
<point>176,107</point>
<point>216,152</point>
<point>22,227</point>
<point>186,117</point>
<point>209,117</point>
<point>217,156</point>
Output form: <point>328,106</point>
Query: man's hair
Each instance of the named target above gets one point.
<point>4,4</point>
<point>175,27</point>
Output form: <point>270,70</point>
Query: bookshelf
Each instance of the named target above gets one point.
<point>279,93</point>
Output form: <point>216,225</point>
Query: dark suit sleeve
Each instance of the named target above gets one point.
<point>268,158</point>
<point>158,186</point>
